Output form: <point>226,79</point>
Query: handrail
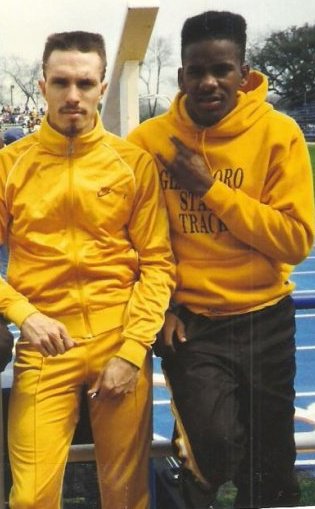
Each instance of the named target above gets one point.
<point>301,302</point>
<point>304,440</point>
<point>2,490</point>
<point>80,453</point>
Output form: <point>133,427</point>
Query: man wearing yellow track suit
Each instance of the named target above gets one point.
<point>90,275</point>
<point>237,180</point>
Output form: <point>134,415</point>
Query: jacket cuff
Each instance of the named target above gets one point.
<point>132,351</point>
<point>19,311</point>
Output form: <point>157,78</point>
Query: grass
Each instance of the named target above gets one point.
<point>307,485</point>
<point>81,492</point>
<point>311,148</point>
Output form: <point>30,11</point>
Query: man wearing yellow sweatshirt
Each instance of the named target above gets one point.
<point>89,279</point>
<point>237,180</point>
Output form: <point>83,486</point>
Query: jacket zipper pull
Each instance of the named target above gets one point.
<point>70,148</point>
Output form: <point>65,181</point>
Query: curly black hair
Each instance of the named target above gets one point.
<point>215,25</point>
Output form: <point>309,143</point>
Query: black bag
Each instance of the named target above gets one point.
<point>6,344</point>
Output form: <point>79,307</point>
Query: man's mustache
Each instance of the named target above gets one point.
<point>67,109</point>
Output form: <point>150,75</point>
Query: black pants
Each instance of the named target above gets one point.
<point>232,386</point>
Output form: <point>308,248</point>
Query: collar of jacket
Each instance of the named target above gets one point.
<point>59,144</point>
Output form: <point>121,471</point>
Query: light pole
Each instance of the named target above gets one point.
<point>37,98</point>
<point>11,94</point>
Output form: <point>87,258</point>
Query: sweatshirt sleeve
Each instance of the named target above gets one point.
<point>281,223</point>
<point>149,234</point>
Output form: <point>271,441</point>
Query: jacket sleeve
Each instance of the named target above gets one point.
<point>149,234</point>
<point>13,305</point>
<point>281,223</point>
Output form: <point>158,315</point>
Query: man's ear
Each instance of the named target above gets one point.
<point>244,75</point>
<point>180,80</point>
<point>42,87</point>
<point>104,87</point>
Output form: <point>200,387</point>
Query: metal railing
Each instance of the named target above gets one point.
<point>306,302</point>
<point>304,440</point>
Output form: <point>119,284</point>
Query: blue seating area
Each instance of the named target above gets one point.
<point>305,117</point>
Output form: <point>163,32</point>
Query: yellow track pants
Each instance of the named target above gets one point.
<point>44,411</point>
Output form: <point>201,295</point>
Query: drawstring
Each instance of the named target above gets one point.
<point>204,153</point>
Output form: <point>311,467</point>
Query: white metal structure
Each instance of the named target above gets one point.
<point>120,110</point>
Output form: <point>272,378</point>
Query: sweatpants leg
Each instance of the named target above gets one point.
<point>43,412</point>
<point>204,386</point>
<point>122,436</point>
<point>232,385</point>
<point>266,477</point>
<point>44,407</point>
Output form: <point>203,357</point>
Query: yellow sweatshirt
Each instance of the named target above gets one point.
<point>87,230</point>
<point>236,245</point>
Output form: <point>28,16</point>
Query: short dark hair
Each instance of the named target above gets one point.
<point>77,40</point>
<point>215,25</point>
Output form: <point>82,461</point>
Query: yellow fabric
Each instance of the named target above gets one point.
<point>88,235</point>
<point>43,413</point>
<point>236,246</point>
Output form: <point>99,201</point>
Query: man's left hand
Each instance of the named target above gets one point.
<point>118,378</point>
<point>189,169</point>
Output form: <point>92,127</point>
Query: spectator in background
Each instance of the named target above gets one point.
<point>13,134</point>
<point>30,126</point>
<point>37,123</point>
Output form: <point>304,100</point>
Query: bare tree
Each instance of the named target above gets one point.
<point>153,73</point>
<point>25,76</point>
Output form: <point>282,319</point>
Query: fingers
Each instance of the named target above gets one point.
<point>48,336</point>
<point>93,392</point>
<point>181,147</point>
<point>184,156</point>
<point>168,335</point>
<point>56,342</point>
<point>168,330</point>
<point>68,342</point>
<point>180,331</point>
<point>162,160</point>
<point>51,345</point>
<point>173,331</point>
<point>189,168</point>
<point>101,390</point>
<point>118,378</point>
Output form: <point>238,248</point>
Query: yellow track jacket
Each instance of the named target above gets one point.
<point>87,231</point>
<point>236,245</point>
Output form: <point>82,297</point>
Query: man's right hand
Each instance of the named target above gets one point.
<point>48,336</point>
<point>173,327</point>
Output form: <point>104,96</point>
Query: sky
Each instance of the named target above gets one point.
<point>25,24</point>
